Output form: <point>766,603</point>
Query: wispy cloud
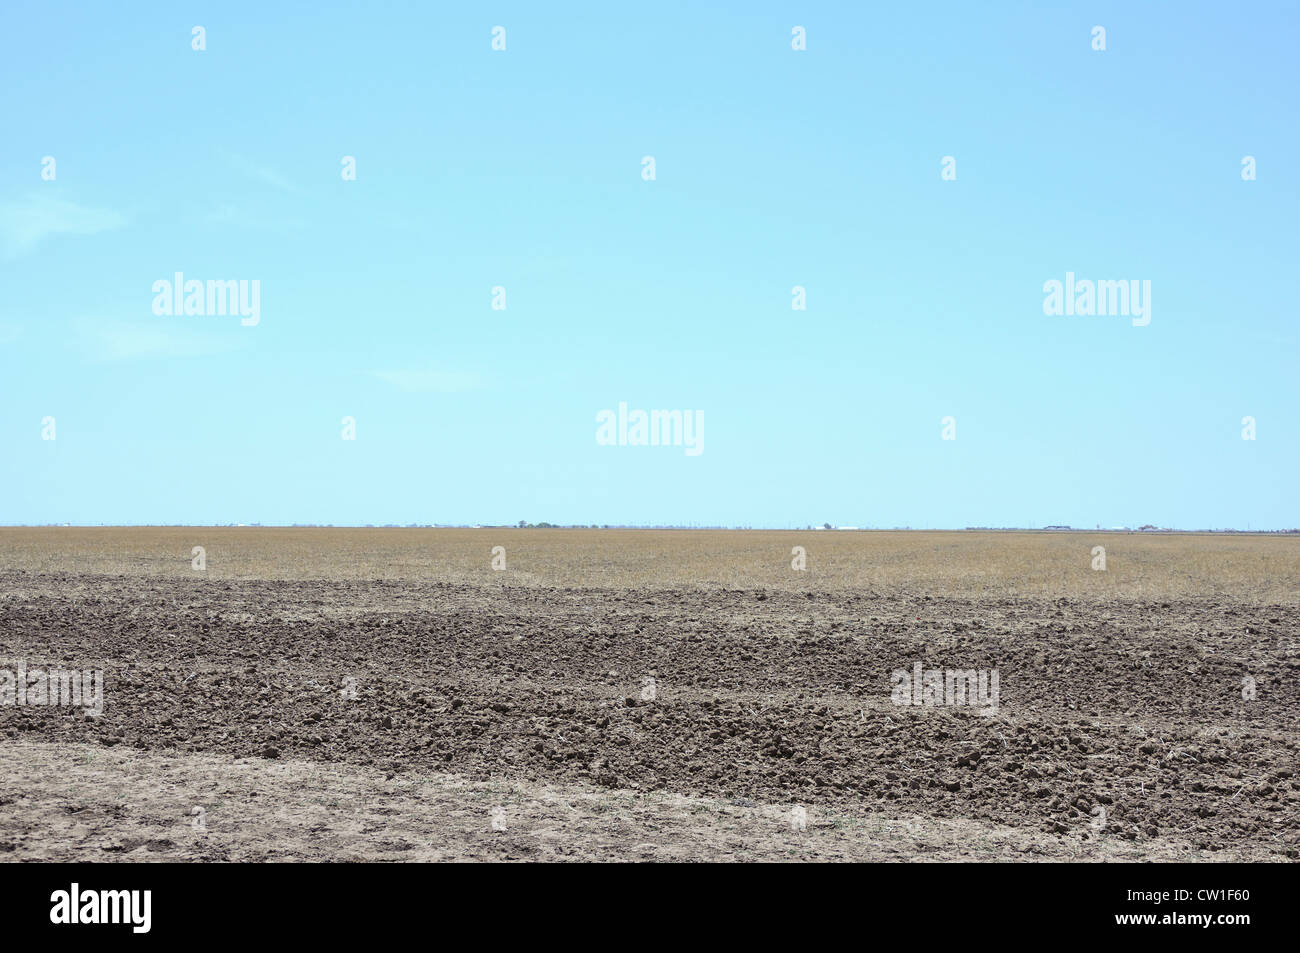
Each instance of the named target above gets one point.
<point>242,217</point>
<point>25,223</point>
<point>102,339</point>
<point>429,381</point>
<point>267,175</point>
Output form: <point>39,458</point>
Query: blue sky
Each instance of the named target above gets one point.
<point>774,168</point>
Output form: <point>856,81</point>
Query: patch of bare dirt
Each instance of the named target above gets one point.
<point>1121,725</point>
<point>73,803</point>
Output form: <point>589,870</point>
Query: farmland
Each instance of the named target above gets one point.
<point>634,694</point>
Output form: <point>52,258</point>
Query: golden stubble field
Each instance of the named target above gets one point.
<point>965,564</point>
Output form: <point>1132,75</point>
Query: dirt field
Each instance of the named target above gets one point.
<point>624,695</point>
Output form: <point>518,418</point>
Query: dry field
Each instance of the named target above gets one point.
<point>385,694</point>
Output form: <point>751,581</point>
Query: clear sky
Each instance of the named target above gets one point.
<point>774,168</point>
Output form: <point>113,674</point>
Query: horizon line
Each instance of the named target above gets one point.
<point>1146,530</point>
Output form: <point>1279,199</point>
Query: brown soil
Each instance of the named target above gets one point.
<point>766,697</point>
